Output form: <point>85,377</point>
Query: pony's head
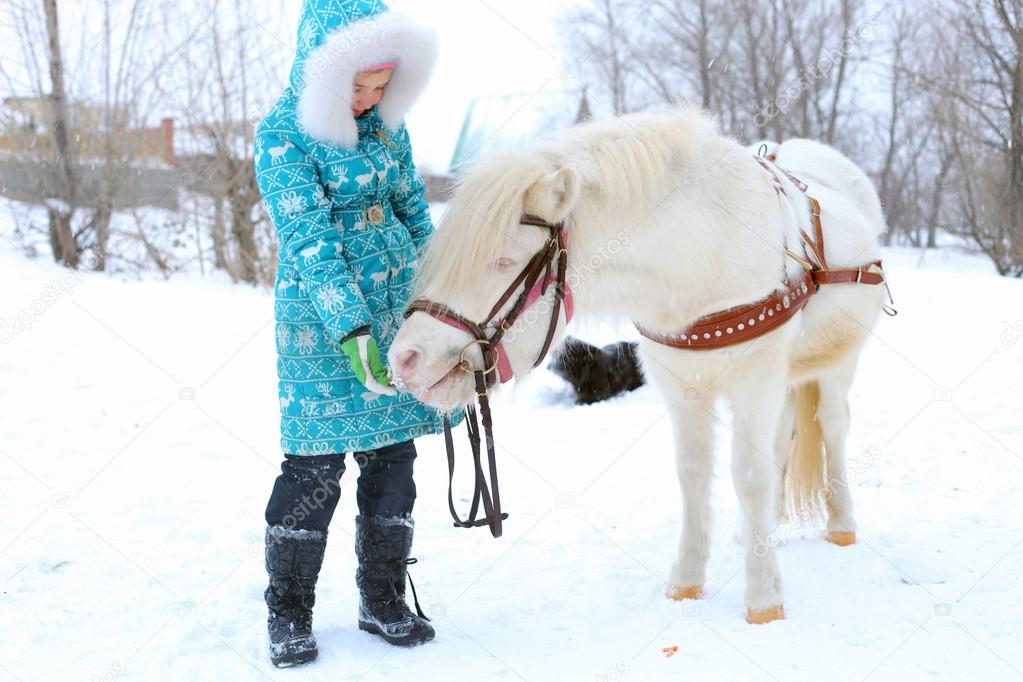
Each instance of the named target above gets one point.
<point>478,251</point>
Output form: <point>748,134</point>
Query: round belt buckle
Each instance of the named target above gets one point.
<point>375,214</point>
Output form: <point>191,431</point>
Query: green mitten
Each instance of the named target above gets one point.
<point>364,355</point>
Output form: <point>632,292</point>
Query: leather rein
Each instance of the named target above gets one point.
<point>546,268</point>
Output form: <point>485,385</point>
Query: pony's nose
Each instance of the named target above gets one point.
<point>406,361</point>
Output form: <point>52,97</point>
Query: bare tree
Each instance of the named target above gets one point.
<point>62,241</point>
<point>824,43</point>
<point>221,111</point>
<point>757,67</point>
<point>600,37</point>
<point>906,181</point>
<point>981,85</point>
<point>688,49</point>
<point>779,69</point>
<point>101,105</point>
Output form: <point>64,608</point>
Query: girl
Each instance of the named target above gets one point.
<point>334,166</point>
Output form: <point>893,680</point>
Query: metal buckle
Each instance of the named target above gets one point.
<point>375,215</point>
<point>464,365</point>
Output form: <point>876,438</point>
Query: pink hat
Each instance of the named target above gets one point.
<point>381,66</point>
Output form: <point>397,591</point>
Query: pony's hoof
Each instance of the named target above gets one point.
<point>755,617</point>
<point>680,593</point>
<point>842,538</point>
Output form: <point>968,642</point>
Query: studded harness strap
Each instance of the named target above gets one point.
<point>746,322</point>
<point>547,267</point>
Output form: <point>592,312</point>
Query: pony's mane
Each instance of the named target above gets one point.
<point>620,162</point>
<point>481,218</point>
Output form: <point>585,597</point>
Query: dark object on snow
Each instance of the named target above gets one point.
<point>598,373</point>
<point>293,561</point>
<point>382,545</point>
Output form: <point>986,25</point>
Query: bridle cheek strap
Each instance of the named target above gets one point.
<point>504,369</point>
<point>540,289</point>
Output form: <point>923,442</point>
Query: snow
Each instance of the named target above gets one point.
<point>138,446</point>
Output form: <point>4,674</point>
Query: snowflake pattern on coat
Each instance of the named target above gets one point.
<point>330,299</point>
<point>338,271</point>
<point>290,205</point>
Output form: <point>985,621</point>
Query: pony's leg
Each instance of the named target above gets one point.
<point>833,416</point>
<point>692,419</point>
<point>757,410</point>
<point>782,446</point>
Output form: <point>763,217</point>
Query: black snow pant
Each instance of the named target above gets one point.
<point>307,491</point>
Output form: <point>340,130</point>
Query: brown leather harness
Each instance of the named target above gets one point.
<point>746,322</point>
<point>547,267</point>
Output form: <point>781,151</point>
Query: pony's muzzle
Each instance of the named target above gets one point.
<point>406,361</point>
<point>424,361</point>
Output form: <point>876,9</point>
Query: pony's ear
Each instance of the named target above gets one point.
<point>553,196</point>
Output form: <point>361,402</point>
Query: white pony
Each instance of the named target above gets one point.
<point>669,221</point>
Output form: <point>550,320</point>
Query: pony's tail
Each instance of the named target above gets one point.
<point>805,473</point>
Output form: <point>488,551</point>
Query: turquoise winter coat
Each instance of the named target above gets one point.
<point>351,222</point>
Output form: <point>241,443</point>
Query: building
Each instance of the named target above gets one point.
<point>27,122</point>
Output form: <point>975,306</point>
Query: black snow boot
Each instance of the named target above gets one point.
<point>293,561</point>
<point>382,545</point>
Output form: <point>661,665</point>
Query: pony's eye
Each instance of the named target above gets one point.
<point>503,264</point>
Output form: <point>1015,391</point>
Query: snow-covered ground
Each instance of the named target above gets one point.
<point>138,444</point>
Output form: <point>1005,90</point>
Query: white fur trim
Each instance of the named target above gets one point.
<point>325,99</point>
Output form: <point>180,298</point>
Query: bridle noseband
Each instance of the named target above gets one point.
<point>547,267</point>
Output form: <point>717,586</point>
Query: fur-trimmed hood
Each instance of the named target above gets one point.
<point>337,39</point>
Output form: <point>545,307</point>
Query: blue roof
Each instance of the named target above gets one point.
<point>509,121</point>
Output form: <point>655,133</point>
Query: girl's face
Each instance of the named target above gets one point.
<point>368,90</point>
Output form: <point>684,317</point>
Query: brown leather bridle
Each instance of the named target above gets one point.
<point>547,267</point>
